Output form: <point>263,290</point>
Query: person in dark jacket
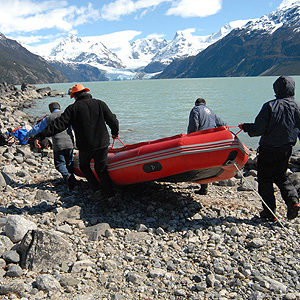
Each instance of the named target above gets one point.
<point>202,117</point>
<point>62,144</point>
<point>88,118</point>
<point>278,124</point>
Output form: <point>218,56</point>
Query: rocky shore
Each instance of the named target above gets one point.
<point>151,241</point>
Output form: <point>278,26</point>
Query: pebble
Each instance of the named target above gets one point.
<point>160,241</point>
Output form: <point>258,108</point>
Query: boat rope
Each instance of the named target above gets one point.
<point>253,189</point>
<point>235,126</point>
<point>117,138</point>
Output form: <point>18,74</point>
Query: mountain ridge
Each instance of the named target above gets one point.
<point>144,58</point>
<point>18,65</point>
<point>268,45</point>
<point>260,48</point>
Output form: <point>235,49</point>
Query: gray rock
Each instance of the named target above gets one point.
<point>47,282</point>
<point>2,182</point>
<point>227,182</point>
<point>5,244</point>
<point>14,271</point>
<point>19,159</point>
<point>11,256</point>
<point>137,236</point>
<point>97,231</point>
<point>109,265</point>
<point>9,169</point>
<point>31,162</point>
<point>83,265</point>
<point>160,230</point>
<point>248,184</point>
<point>277,286</point>
<point>69,213</point>
<point>141,228</point>
<point>41,249</point>
<point>256,243</point>
<point>290,296</point>
<point>65,229</point>
<point>16,227</point>
<point>2,263</point>
<point>68,281</point>
<point>157,273</point>
<point>133,278</point>
<point>42,195</point>
<point>9,156</point>
<point>2,273</point>
<point>24,152</point>
<point>211,280</point>
<point>201,286</point>
<point>15,286</point>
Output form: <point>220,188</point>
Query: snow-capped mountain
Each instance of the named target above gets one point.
<point>84,51</point>
<point>143,50</point>
<point>184,44</point>
<point>265,46</point>
<point>140,53</point>
<point>134,59</point>
<point>287,16</point>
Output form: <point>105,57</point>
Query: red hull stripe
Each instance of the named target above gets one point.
<point>175,152</point>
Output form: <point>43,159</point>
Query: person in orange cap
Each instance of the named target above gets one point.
<point>88,118</point>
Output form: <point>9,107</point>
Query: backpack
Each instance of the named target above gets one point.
<point>19,133</point>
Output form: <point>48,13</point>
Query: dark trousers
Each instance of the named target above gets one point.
<point>100,157</point>
<point>272,165</point>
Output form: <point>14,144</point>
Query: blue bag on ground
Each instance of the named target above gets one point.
<point>19,133</point>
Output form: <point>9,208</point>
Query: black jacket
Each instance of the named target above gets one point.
<point>88,117</point>
<point>202,117</point>
<point>278,122</point>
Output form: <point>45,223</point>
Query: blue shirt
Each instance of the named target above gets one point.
<point>38,127</point>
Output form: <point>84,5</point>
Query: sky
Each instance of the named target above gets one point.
<point>35,23</point>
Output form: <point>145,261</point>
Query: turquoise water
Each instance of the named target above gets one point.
<point>153,109</point>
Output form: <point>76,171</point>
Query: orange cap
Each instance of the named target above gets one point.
<point>77,88</point>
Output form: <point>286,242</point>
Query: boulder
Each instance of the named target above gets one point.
<point>40,249</point>
<point>17,226</point>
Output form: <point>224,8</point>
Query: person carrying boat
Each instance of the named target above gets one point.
<point>88,118</point>
<point>202,117</point>
<point>278,124</point>
<point>62,144</point>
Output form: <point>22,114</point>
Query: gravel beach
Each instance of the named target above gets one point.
<point>150,241</point>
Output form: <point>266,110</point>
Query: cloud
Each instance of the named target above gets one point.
<point>288,3</point>
<point>114,10</point>
<point>183,8</point>
<point>195,8</point>
<point>29,15</point>
<point>118,39</point>
<point>119,42</point>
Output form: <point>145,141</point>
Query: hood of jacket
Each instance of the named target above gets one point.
<point>83,95</point>
<point>284,87</point>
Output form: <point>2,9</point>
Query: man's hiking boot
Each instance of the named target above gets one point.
<point>292,210</point>
<point>267,216</point>
<point>71,181</point>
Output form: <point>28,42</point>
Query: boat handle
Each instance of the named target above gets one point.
<point>235,126</point>
<point>117,138</point>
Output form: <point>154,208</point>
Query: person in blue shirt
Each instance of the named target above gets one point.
<point>202,117</point>
<point>62,144</point>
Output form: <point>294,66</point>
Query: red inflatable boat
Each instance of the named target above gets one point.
<point>204,156</point>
